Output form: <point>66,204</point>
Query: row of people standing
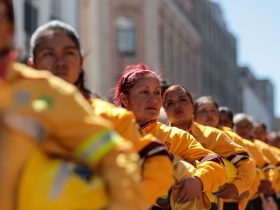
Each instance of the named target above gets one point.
<point>51,46</point>
<point>54,144</point>
<point>55,47</point>
<point>139,91</point>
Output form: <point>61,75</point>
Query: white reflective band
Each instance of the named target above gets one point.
<point>267,167</point>
<point>156,150</point>
<point>237,158</point>
<point>24,124</point>
<point>60,179</point>
<point>96,145</point>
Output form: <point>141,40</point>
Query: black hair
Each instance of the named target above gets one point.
<point>10,10</point>
<point>227,111</point>
<point>56,25</point>
<point>204,99</point>
<point>183,88</point>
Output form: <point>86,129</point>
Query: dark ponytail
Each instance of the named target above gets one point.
<point>81,84</point>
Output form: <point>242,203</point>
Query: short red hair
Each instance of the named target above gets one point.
<point>130,76</point>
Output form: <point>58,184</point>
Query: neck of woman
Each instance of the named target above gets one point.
<point>183,125</point>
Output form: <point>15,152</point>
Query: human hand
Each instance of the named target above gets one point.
<point>242,196</point>
<point>265,187</point>
<point>227,191</point>
<point>268,203</point>
<point>188,189</point>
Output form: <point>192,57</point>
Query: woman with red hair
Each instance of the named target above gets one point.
<point>139,90</point>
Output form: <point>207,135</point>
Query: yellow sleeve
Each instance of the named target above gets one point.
<point>156,177</point>
<point>246,172</point>
<point>255,153</point>
<point>184,145</point>
<point>224,146</point>
<point>267,151</point>
<point>55,111</point>
<point>255,186</point>
<point>218,142</point>
<point>157,166</point>
<point>240,158</point>
<point>272,160</point>
<point>123,121</point>
<point>205,171</point>
<point>246,168</point>
<point>277,188</point>
<point>121,171</point>
<point>44,116</point>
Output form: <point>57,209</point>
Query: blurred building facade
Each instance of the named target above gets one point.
<point>120,32</point>
<point>257,97</point>
<point>218,67</point>
<point>32,13</point>
<point>186,40</point>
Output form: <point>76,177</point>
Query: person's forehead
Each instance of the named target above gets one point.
<point>178,92</point>
<point>147,80</point>
<point>244,122</point>
<point>207,104</point>
<point>54,33</point>
<point>48,39</point>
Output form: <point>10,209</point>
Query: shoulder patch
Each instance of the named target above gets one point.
<point>42,103</point>
<point>22,97</point>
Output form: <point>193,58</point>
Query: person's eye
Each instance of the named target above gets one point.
<point>158,92</point>
<point>70,52</point>
<point>202,112</point>
<point>169,104</point>
<point>48,53</point>
<point>144,92</point>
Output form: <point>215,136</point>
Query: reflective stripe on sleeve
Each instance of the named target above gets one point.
<point>267,167</point>
<point>97,146</point>
<point>234,159</point>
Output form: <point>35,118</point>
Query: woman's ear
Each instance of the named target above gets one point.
<point>124,100</point>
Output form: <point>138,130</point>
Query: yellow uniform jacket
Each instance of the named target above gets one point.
<point>50,113</point>
<point>253,188</point>
<point>157,167</point>
<point>218,142</point>
<point>256,155</point>
<point>269,152</point>
<point>272,158</point>
<point>183,144</point>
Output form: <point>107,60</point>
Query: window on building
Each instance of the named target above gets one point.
<point>125,36</point>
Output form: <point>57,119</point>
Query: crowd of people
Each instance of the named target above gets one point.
<point>64,147</point>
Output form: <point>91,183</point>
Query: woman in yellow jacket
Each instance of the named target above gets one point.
<point>226,125</point>
<point>55,47</point>
<point>243,130</point>
<point>180,108</point>
<point>139,90</point>
<point>33,115</point>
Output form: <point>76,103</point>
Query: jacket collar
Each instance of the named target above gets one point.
<point>147,127</point>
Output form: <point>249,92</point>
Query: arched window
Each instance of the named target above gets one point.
<point>125,36</point>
